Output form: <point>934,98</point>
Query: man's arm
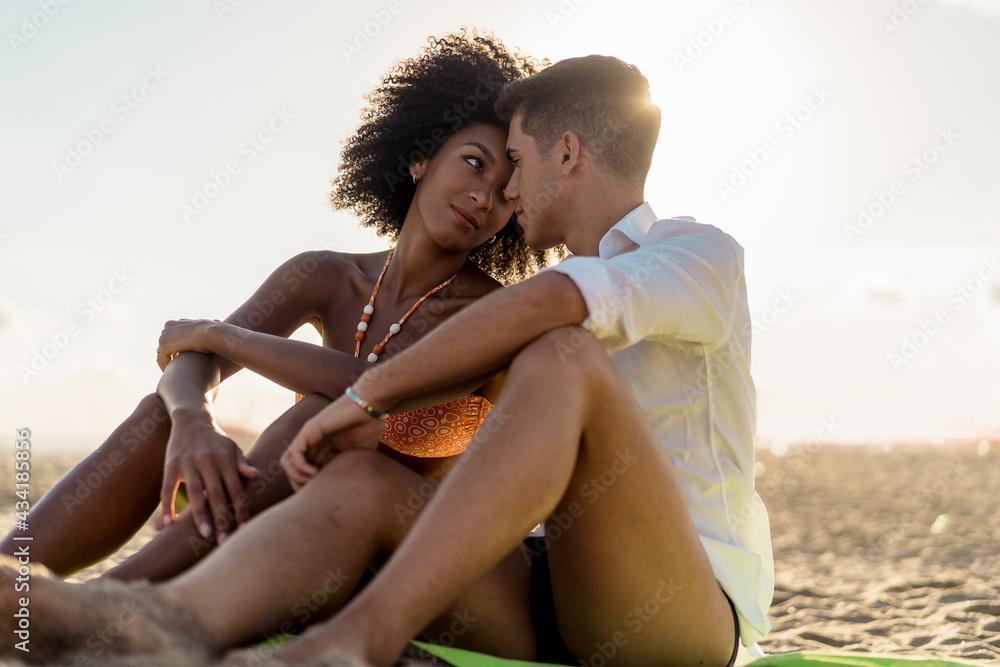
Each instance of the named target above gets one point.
<point>482,338</point>
<point>447,363</point>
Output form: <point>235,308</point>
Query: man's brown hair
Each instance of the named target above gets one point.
<point>602,99</point>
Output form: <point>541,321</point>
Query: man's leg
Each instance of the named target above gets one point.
<point>105,499</point>
<point>179,545</point>
<point>576,447</point>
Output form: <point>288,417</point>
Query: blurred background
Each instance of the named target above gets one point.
<point>850,147</point>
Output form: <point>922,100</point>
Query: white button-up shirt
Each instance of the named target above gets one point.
<point>667,298</point>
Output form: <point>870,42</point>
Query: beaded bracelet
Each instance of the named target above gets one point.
<point>363,404</point>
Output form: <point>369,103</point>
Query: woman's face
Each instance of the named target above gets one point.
<point>460,195</point>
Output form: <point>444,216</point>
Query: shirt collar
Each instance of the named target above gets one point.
<point>628,232</point>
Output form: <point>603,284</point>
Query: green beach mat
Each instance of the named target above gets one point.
<point>848,659</point>
<point>462,658</point>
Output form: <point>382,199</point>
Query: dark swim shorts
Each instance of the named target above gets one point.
<point>551,648</point>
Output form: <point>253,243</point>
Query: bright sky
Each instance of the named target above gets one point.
<point>851,147</point>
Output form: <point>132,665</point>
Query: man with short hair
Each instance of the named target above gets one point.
<point>642,467</point>
<point>625,424</point>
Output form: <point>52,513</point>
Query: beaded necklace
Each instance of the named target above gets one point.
<point>395,326</point>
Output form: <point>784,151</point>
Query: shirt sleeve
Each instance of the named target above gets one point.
<point>677,285</point>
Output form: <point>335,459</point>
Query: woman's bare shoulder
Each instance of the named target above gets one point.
<point>473,282</point>
<point>333,263</point>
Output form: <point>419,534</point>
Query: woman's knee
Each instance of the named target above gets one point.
<point>370,485</point>
<point>366,466</point>
<point>274,440</point>
<point>149,422</point>
<point>152,409</point>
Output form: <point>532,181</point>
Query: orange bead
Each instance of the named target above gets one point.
<point>359,336</point>
<point>377,349</point>
<point>365,317</point>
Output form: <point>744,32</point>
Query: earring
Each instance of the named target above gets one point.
<point>415,179</point>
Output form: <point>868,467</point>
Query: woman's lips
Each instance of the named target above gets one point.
<point>465,217</point>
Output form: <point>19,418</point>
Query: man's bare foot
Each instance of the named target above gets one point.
<point>51,620</point>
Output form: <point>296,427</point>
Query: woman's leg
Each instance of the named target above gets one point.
<point>179,545</point>
<point>293,565</point>
<point>103,501</point>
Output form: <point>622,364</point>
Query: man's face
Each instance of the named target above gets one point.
<point>535,188</point>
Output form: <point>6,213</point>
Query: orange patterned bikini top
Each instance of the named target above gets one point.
<point>435,431</point>
<point>438,430</point>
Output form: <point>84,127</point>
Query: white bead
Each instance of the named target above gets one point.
<point>372,357</point>
<point>362,326</point>
<point>369,309</point>
<point>394,328</point>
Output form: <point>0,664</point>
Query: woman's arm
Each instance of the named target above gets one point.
<point>302,367</point>
<point>198,451</point>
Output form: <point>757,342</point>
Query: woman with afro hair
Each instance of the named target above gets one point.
<point>426,169</point>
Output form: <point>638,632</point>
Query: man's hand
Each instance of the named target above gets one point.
<point>340,426</point>
<point>210,464</point>
<point>183,336</point>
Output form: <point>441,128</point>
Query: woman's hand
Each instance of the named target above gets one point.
<point>184,336</point>
<point>339,427</point>
<point>211,466</point>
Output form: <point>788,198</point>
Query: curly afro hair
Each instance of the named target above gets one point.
<point>419,104</point>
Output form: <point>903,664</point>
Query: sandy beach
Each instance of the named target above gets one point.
<point>879,549</point>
